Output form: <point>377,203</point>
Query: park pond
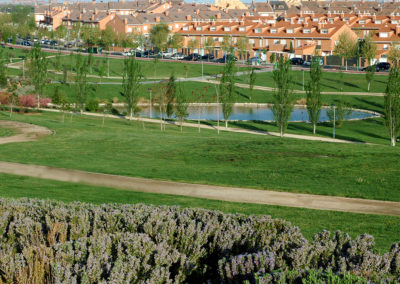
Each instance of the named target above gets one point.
<point>248,112</point>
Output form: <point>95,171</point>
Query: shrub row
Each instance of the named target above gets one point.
<point>43,241</point>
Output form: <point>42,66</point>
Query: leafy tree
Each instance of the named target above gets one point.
<point>107,109</point>
<point>193,44</point>
<point>159,36</point>
<point>394,53</point>
<point>272,58</point>
<point>37,70</point>
<point>108,37</point>
<point>209,46</point>
<point>90,35</point>
<point>131,84</point>
<point>59,98</point>
<point>369,50</point>
<point>252,81</point>
<point>81,85</point>
<point>283,94</point>
<point>57,62</point>
<point>176,41</point>
<point>103,68</point>
<point>186,68</point>
<point>181,105</point>
<point>227,89</point>
<point>3,70</point>
<point>227,44</point>
<point>392,104</point>
<point>313,90</point>
<point>346,47</point>
<point>243,46</point>
<point>12,90</point>
<point>291,50</point>
<point>170,95</point>
<point>155,62</point>
<point>341,112</point>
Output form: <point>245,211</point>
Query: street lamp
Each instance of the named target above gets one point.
<point>149,89</point>
<point>334,120</point>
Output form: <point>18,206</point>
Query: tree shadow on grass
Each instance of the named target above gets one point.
<point>242,95</point>
<point>370,105</point>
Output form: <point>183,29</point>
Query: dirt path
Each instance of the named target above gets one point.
<point>25,132</point>
<point>232,194</point>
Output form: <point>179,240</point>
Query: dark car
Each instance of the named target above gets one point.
<point>138,54</point>
<point>226,58</point>
<point>148,53</point>
<point>207,57</point>
<point>193,57</point>
<point>296,61</point>
<point>382,66</point>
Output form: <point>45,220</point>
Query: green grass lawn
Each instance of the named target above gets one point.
<point>150,69</point>
<point>331,81</point>
<point>4,132</point>
<point>124,148</point>
<point>385,229</point>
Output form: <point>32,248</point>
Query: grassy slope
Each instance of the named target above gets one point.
<point>330,81</point>
<point>228,159</point>
<point>385,229</point>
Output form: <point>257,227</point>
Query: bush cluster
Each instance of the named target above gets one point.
<point>44,241</point>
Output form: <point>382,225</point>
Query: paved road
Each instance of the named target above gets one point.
<point>231,194</point>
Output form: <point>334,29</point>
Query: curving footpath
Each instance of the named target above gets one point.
<point>231,194</point>
<point>25,132</point>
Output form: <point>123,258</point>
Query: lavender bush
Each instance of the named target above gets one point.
<point>53,242</point>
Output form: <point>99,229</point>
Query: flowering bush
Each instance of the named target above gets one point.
<point>31,101</point>
<point>82,243</point>
<point>4,98</point>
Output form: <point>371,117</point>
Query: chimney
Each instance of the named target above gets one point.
<point>96,11</point>
<point>188,18</point>
<point>158,19</point>
<point>247,14</point>
<point>218,16</point>
<point>166,13</point>
<point>80,17</point>
<point>125,21</point>
<point>92,18</point>
<point>93,2</point>
<point>198,11</point>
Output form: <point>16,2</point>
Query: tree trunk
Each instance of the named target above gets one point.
<point>63,116</point>
<point>198,119</point>
<point>11,110</point>
<point>161,119</point>
<point>38,101</point>
<point>369,83</point>
<point>130,114</point>
<point>281,130</point>
<point>181,124</point>
<point>346,64</point>
<point>314,128</point>
<point>226,123</point>
<point>102,125</point>
<point>393,141</point>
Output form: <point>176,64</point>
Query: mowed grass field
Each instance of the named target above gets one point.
<point>243,160</point>
<point>385,229</point>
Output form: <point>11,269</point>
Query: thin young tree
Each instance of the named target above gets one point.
<point>181,105</point>
<point>81,84</point>
<point>283,94</point>
<point>37,70</point>
<point>170,95</point>
<point>369,50</point>
<point>12,90</point>
<point>60,99</point>
<point>313,90</point>
<point>209,46</point>
<point>132,77</point>
<point>252,81</point>
<point>346,47</point>
<point>392,104</point>
<point>227,89</point>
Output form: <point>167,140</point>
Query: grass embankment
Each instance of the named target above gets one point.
<point>124,148</point>
<point>330,82</point>
<point>385,229</point>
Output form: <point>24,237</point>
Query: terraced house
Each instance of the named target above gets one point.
<point>301,29</point>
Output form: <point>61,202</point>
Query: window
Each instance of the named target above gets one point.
<point>257,31</point>
<point>283,41</point>
<point>199,28</point>
<point>361,21</point>
<point>395,22</point>
<point>221,39</point>
<point>378,22</point>
<point>242,29</point>
<point>176,26</point>
<point>129,30</point>
<point>185,28</point>
<point>273,31</point>
<point>145,28</point>
<point>324,31</point>
<point>289,31</point>
<point>315,20</point>
<point>215,39</point>
<point>301,19</point>
<point>260,42</point>
<point>251,41</point>
<point>385,47</point>
<point>227,29</point>
<point>170,28</point>
<point>276,41</point>
<point>213,29</point>
<point>306,31</point>
<point>384,34</point>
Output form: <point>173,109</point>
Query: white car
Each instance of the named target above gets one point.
<point>178,56</point>
<point>128,53</point>
<point>165,54</point>
<point>308,63</point>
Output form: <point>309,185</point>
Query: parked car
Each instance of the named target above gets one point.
<point>178,56</point>
<point>308,62</point>
<point>26,43</point>
<point>165,54</point>
<point>296,61</point>
<point>382,66</point>
<point>127,53</point>
<point>148,53</point>
<point>208,57</point>
<point>226,58</point>
<point>138,54</point>
<point>193,57</point>
<point>254,60</point>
